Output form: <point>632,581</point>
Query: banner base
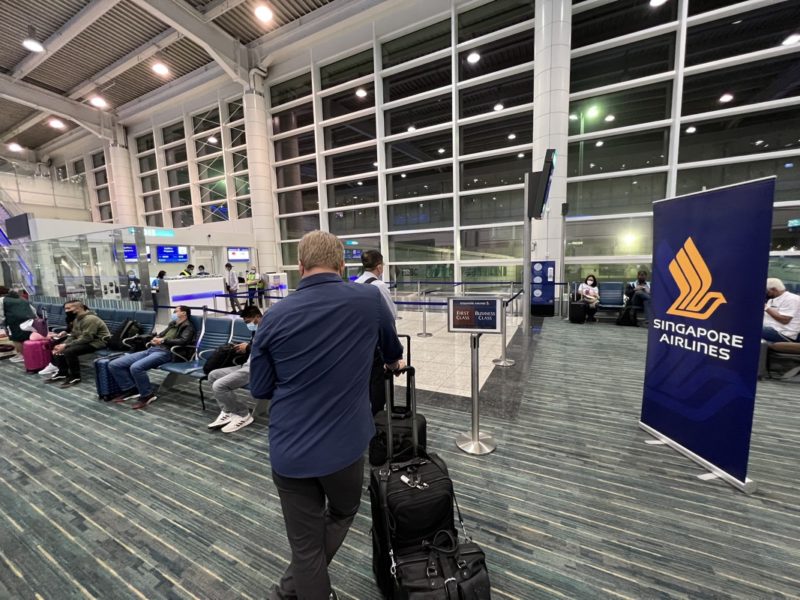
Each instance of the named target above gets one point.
<point>748,486</point>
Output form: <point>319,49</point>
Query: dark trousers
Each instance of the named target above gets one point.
<point>377,383</point>
<point>316,530</point>
<point>261,298</point>
<point>67,362</point>
<point>641,300</point>
<point>234,300</point>
<point>251,296</point>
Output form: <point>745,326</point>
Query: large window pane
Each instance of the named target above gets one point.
<point>298,201</point>
<point>98,159</point>
<point>295,88</point>
<point>208,145</point>
<point>347,69</point>
<point>786,232</point>
<point>100,177</point>
<point>298,145</point>
<point>748,83</point>
<point>147,163</point>
<point>616,195</point>
<point>212,191</point>
<point>501,54</point>
<point>208,169</point>
<point>152,203</point>
<point>213,213</point>
<point>493,16</point>
<point>206,120</point>
<point>352,193</point>
<point>497,207</point>
<point>289,253</point>
<point>145,142</point>
<point>355,247</point>
<point>419,149</point>
<point>293,228</point>
<point>425,113</point>
<point>407,276</point>
<point>419,43</point>
<point>182,218</point>
<point>296,174</point>
<point>293,118</point>
<point>497,133</point>
<point>79,167</point>
<point>106,214</point>
<point>238,136</point>
<point>235,110</point>
<point>173,133</point>
<point>610,237</point>
<point>244,208</point>
<point>631,107</point>
<point>492,172</point>
<point>787,170</point>
<point>149,183</point>
<point>103,195</point>
<point>241,185</point>
<point>619,18</point>
<point>502,274</point>
<point>352,132</point>
<point>424,182</point>
<point>623,63</point>
<point>606,272</point>
<point>351,163</point>
<point>744,134</point>
<point>503,93</point>
<point>178,176</point>
<point>156,220</point>
<point>421,215</point>
<point>175,155</point>
<point>430,246</point>
<point>428,77</point>
<point>178,198</point>
<point>239,161</point>
<point>343,103</point>
<point>618,153</point>
<point>492,243</point>
<point>755,30</point>
<point>359,220</point>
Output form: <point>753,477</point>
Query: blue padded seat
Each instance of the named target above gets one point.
<point>612,294</point>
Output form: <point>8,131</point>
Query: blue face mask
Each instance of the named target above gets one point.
<point>173,317</point>
<point>252,326</point>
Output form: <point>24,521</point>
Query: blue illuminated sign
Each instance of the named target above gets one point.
<point>172,254</point>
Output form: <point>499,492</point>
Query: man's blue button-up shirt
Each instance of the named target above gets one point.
<point>312,355</point>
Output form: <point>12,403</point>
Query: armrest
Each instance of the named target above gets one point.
<point>174,351</point>
<point>204,353</point>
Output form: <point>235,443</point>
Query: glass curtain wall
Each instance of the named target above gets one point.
<point>415,145</point>
<point>636,138</point>
<point>194,170</point>
<point>98,180</point>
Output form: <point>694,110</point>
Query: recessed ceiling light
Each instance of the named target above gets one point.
<point>792,39</point>
<point>512,136</point>
<point>758,142</point>
<point>655,3</point>
<point>15,147</point>
<point>521,155</point>
<point>263,13</point>
<point>411,128</point>
<point>98,102</point>
<point>403,175</point>
<point>160,68</point>
<point>788,165</point>
<point>360,183</point>
<point>56,123</point>
<point>473,57</point>
<point>599,143</point>
<point>610,118</point>
<point>498,106</point>
<point>691,129</point>
<point>725,98</point>
<point>361,93</point>
<point>635,182</point>
<point>591,165</point>
<point>374,164</point>
<point>32,45</point>
<point>441,150</point>
<point>212,139</point>
<point>573,117</point>
<point>736,22</point>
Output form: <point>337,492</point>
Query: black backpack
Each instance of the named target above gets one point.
<point>627,316</point>
<point>224,356</point>
<point>127,329</point>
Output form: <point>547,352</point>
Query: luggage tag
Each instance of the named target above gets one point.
<point>415,482</point>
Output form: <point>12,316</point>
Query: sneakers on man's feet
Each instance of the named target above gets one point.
<point>145,401</point>
<point>17,359</point>
<point>223,419</point>
<point>237,422</point>
<point>49,370</point>
<point>71,382</point>
<point>125,396</point>
<point>56,378</point>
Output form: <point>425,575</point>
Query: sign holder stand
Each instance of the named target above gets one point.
<point>503,361</point>
<point>475,442</point>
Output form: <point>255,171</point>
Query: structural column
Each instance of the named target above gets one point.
<point>552,43</point>
<point>120,182</point>
<point>261,201</point>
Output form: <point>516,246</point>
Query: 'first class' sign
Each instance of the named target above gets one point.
<point>474,315</point>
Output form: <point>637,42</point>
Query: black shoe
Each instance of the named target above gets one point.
<point>56,379</point>
<point>144,401</point>
<point>71,382</point>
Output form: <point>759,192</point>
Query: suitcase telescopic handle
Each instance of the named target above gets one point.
<point>412,400</point>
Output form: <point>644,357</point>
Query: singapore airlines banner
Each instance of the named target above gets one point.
<point>710,259</point>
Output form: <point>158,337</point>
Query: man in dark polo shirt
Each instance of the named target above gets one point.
<point>312,356</point>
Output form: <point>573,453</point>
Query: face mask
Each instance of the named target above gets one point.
<point>173,317</point>
<point>70,316</point>
<point>252,326</point>
<point>590,282</point>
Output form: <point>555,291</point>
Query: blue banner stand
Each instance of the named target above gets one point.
<point>710,262</point>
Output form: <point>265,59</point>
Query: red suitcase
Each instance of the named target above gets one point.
<point>36,354</point>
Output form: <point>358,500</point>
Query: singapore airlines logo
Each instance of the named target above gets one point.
<point>694,280</point>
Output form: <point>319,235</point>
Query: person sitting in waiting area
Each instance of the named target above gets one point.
<point>781,313</point>
<point>638,293</point>
<point>590,296</point>
<point>88,334</point>
<point>130,371</point>
<point>187,272</point>
<point>233,412</point>
<point>14,311</point>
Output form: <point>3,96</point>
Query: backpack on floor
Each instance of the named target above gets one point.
<point>627,317</point>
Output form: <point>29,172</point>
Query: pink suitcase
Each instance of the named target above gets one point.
<point>36,354</point>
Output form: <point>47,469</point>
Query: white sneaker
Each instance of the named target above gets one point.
<point>237,423</point>
<point>223,419</point>
<point>17,359</point>
<point>50,369</point>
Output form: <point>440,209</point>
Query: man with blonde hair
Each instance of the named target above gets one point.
<point>312,356</point>
<point>781,313</point>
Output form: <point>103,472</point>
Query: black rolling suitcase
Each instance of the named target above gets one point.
<point>577,312</point>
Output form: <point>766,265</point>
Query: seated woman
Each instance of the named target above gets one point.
<point>589,295</point>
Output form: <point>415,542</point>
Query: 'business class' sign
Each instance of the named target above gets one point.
<point>474,315</point>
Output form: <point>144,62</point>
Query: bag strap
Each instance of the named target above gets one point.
<point>370,280</point>
<point>443,468</point>
<point>383,486</point>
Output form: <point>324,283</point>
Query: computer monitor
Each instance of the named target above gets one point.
<point>238,255</point>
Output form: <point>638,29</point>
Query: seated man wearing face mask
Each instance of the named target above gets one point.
<point>130,371</point>
<point>233,412</point>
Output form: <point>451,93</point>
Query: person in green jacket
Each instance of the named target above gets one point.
<point>89,333</point>
<point>15,311</point>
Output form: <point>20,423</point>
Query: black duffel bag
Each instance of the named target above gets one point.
<point>445,570</point>
<point>222,357</point>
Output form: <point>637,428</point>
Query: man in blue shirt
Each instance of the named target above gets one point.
<point>312,356</point>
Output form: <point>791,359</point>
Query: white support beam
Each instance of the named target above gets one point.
<point>231,55</point>
<point>88,15</point>
<point>28,94</point>
<point>23,125</point>
<point>217,8</point>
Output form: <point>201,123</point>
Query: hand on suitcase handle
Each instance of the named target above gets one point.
<point>402,368</point>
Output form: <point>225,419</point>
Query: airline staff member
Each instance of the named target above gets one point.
<point>232,287</point>
<point>251,280</point>
<point>187,272</point>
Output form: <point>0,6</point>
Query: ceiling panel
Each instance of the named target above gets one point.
<point>41,133</point>
<point>241,22</point>
<point>46,17</point>
<point>12,113</point>
<point>121,30</point>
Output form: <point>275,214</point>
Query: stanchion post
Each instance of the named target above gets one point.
<point>476,442</point>
<point>503,361</point>
<point>424,333</point>
<point>394,291</point>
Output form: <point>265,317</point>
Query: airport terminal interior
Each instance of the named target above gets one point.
<point>155,152</point>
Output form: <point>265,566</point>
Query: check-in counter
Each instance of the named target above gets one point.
<point>194,292</point>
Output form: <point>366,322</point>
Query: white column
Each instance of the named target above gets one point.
<point>120,184</point>
<point>260,172</point>
<point>552,43</point>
